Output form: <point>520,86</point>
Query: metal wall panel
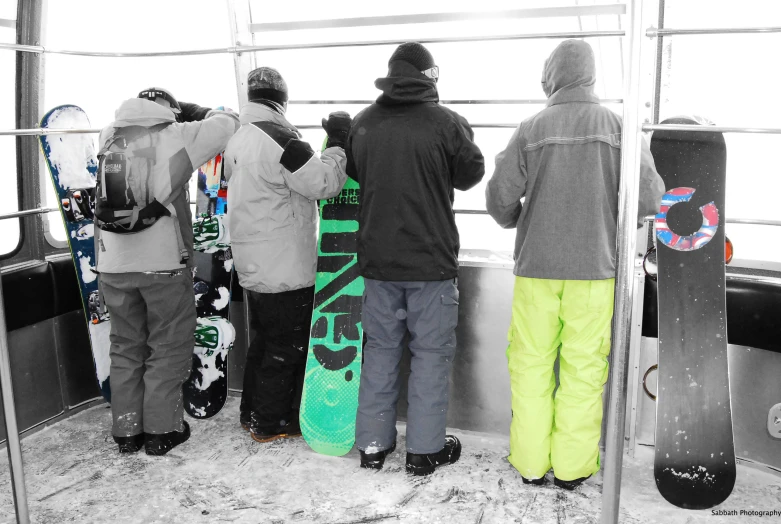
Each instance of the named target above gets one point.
<point>77,367</point>
<point>479,382</point>
<point>35,373</point>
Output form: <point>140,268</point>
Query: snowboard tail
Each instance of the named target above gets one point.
<point>694,463</point>
<point>73,166</point>
<point>330,398</point>
<point>206,390</point>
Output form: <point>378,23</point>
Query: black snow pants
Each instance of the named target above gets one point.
<point>276,358</point>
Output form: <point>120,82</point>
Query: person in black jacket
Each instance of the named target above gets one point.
<point>408,153</point>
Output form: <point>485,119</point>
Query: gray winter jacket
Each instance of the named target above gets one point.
<point>274,182</point>
<point>179,149</point>
<point>566,162</point>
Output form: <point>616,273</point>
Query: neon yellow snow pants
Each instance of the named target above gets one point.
<point>561,432</point>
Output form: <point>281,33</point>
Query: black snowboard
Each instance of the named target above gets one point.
<point>694,464</point>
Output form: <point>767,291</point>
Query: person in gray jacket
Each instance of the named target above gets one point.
<point>566,162</point>
<point>274,180</point>
<point>145,276</point>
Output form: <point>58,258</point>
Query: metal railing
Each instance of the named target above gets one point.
<point>653,33</point>
<point>318,45</point>
<point>428,18</point>
<point>711,129</point>
<point>513,101</point>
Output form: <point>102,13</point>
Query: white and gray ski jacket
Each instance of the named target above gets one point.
<point>180,149</point>
<point>274,181</point>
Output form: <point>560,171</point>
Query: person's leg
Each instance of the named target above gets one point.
<point>171,320</point>
<point>384,326</point>
<point>534,341</point>
<point>254,356</point>
<point>128,352</point>
<point>284,320</point>
<point>432,317</point>
<point>586,313</point>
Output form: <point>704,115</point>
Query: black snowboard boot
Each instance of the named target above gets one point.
<point>376,460</point>
<point>130,444</point>
<point>161,444</point>
<point>426,463</point>
<point>534,482</point>
<point>569,485</point>
<point>289,430</point>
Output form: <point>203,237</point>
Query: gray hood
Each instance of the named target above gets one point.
<point>141,112</point>
<point>570,73</point>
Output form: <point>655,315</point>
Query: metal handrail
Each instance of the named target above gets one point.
<point>513,101</point>
<point>652,33</point>
<point>428,18</point>
<point>40,131</point>
<point>650,218</point>
<point>711,129</point>
<point>320,45</point>
<point>28,212</point>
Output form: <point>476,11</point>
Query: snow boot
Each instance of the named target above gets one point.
<point>158,445</point>
<point>425,463</point>
<point>130,444</point>
<point>288,430</point>
<point>534,482</point>
<point>569,485</point>
<point>376,460</point>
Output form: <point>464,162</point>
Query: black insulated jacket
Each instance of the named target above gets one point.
<point>408,153</point>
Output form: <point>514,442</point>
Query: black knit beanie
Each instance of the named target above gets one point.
<point>265,83</point>
<point>415,54</point>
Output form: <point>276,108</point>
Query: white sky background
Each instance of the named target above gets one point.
<point>729,79</point>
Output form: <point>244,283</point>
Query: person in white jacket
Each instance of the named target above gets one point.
<point>145,276</point>
<point>274,182</point>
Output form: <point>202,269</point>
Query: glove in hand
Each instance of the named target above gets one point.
<point>337,127</point>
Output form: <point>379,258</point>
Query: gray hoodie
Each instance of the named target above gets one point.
<point>566,162</point>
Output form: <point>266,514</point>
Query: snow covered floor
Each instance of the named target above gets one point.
<point>74,474</point>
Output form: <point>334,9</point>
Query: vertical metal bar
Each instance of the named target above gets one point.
<point>658,68</point>
<point>625,247</point>
<point>28,82</point>
<point>12,430</point>
<point>240,18</point>
<point>635,338</point>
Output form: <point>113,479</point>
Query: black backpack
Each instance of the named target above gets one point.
<point>123,198</point>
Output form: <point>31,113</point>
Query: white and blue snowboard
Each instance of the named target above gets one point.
<point>73,168</point>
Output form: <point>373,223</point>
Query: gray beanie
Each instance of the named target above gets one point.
<point>265,83</point>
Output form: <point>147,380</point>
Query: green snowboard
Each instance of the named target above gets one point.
<point>330,397</point>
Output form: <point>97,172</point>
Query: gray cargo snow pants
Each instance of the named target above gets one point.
<point>152,339</point>
<point>429,311</point>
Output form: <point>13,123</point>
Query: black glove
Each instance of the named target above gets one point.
<point>191,112</point>
<point>337,126</point>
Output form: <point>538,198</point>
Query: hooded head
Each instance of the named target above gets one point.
<point>417,56</point>
<point>412,76</point>
<point>162,97</point>
<point>264,85</point>
<point>570,72</point>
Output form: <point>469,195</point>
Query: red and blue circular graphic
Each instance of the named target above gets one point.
<point>710,222</point>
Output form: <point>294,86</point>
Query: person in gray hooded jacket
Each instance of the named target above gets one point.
<point>146,277</point>
<point>566,162</point>
<point>274,180</point>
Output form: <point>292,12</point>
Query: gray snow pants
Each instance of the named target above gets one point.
<point>429,311</point>
<point>152,339</point>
